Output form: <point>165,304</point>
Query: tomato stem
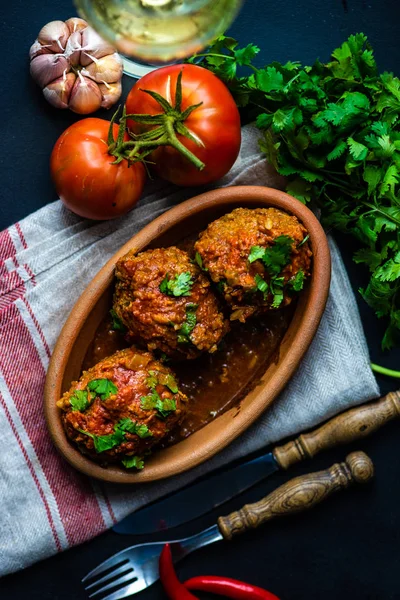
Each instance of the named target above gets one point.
<point>166,125</point>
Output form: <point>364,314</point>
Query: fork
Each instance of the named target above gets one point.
<point>136,567</point>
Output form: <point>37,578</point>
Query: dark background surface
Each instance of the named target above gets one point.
<point>348,547</point>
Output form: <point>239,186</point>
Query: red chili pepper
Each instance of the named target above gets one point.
<point>174,589</point>
<point>231,588</point>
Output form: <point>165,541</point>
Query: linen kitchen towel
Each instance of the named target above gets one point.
<point>46,261</point>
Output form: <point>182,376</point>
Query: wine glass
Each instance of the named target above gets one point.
<point>156,32</point>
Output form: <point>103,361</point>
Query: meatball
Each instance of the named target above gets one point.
<point>164,298</point>
<point>122,407</point>
<point>259,258</point>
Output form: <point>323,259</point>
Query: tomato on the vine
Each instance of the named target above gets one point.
<point>84,176</point>
<point>192,107</point>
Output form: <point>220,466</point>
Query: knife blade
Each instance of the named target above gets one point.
<point>198,498</point>
<point>202,496</point>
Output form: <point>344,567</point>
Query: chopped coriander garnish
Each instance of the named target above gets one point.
<point>170,382</point>
<point>103,388</point>
<point>116,324</point>
<point>127,425</point>
<point>153,401</point>
<point>256,253</point>
<point>199,261</point>
<point>156,377</point>
<point>304,240</point>
<point>297,282</point>
<point>274,257</point>
<point>262,286</point>
<point>133,462</point>
<point>151,380</point>
<point>107,442</point>
<point>188,326</point>
<point>180,285</point>
<point>276,285</point>
<point>81,400</point>
<point>221,286</point>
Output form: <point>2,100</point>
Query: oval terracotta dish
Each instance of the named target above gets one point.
<point>188,218</point>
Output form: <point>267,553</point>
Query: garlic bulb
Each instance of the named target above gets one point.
<point>75,67</point>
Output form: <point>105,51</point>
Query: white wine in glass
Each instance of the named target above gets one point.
<point>158,31</point>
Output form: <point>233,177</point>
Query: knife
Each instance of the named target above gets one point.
<point>206,494</point>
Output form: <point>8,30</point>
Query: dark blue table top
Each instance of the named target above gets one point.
<point>348,548</point>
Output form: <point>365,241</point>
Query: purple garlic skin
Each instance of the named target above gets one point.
<point>75,67</point>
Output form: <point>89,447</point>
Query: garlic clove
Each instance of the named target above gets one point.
<point>76,24</point>
<point>85,96</point>
<point>58,92</point>
<point>55,34</point>
<point>110,93</point>
<point>48,67</point>
<point>73,48</point>
<point>36,49</point>
<point>107,69</point>
<point>94,46</point>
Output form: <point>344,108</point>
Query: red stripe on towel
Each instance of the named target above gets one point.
<point>77,504</point>
<point>7,247</point>
<point>32,471</point>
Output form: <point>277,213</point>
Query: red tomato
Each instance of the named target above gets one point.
<point>215,124</point>
<point>84,176</point>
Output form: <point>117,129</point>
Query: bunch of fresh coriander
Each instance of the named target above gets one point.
<point>333,129</point>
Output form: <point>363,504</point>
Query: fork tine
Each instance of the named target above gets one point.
<point>128,578</point>
<point>128,590</point>
<point>114,561</point>
<point>119,571</point>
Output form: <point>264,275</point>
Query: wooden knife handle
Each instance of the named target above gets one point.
<point>298,494</point>
<point>347,427</point>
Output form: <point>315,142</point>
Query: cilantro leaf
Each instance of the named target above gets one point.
<point>277,256</point>
<point>269,80</point>
<point>169,381</point>
<point>127,425</point>
<point>179,285</point>
<point>102,443</point>
<point>357,150</point>
<point>262,286</point>
<point>133,462</point>
<point>256,253</point>
<point>220,285</point>
<point>189,324</point>
<point>199,261</point>
<point>244,56</point>
<point>80,400</point>
<point>106,442</point>
<point>297,282</point>
<point>153,401</point>
<point>157,377</point>
<point>116,324</point>
<point>103,388</point>
<point>276,285</point>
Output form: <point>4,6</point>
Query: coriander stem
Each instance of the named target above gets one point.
<point>214,54</point>
<point>385,371</point>
<point>382,212</point>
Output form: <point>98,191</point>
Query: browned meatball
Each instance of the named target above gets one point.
<point>122,407</point>
<point>259,258</point>
<point>165,299</point>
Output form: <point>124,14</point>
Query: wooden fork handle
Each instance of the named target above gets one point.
<point>347,427</point>
<point>298,494</point>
